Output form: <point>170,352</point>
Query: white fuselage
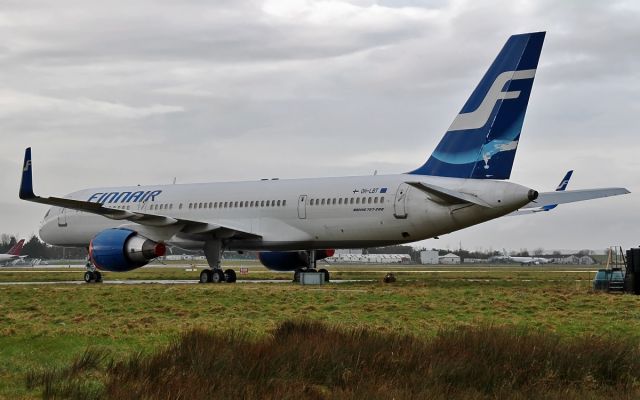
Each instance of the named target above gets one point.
<point>7,257</point>
<point>343,212</point>
<point>529,260</point>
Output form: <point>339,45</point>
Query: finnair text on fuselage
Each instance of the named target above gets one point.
<point>124,197</point>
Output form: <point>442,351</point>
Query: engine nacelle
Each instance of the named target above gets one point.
<point>123,250</point>
<point>290,260</point>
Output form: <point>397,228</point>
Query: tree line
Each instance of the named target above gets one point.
<point>36,248</point>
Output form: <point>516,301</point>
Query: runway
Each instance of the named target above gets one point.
<point>168,282</point>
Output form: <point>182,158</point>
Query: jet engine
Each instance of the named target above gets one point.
<point>290,260</point>
<point>123,250</point>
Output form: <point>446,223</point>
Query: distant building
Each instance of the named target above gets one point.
<point>429,257</point>
<point>369,259</point>
<point>450,259</point>
<point>586,260</point>
<point>575,260</point>
<point>348,251</point>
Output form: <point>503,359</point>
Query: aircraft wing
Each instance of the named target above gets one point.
<point>142,218</point>
<point>568,196</point>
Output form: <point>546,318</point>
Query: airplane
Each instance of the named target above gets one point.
<point>293,223</point>
<point>13,254</point>
<point>525,260</point>
<point>548,207</point>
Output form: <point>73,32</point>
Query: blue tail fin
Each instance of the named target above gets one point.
<point>481,142</point>
<point>565,181</point>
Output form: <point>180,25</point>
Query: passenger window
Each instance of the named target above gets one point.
<point>190,206</point>
<point>278,203</point>
<point>381,199</point>
<point>375,200</point>
<point>322,201</point>
<point>235,204</point>
<point>251,204</point>
<point>340,200</point>
<point>334,201</point>
<point>311,202</point>
<point>284,203</point>
<point>210,205</point>
<point>171,206</point>
<point>180,206</point>
<point>241,203</point>
<point>369,200</point>
<point>268,203</point>
<point>351,200</point>
<point>262,203</point>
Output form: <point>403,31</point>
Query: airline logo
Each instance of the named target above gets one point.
<point>124,197</point>
<point>27,166</point>
<point>480,116</point>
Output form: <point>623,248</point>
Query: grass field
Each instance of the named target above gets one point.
<point>45,327</point>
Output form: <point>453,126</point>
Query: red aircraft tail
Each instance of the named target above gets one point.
<point>17,248</point>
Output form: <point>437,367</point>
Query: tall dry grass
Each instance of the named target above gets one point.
<point>310,360</point>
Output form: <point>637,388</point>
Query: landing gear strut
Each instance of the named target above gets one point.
<point>213,252</point>
<point>311,268</point>
<point>92,274</point>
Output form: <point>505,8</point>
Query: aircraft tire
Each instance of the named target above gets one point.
<point>97,277</point>
<point>327,276</point>
<point>205,276</point>
<point>217,276</point>
<point>230,275</point>
<point>296,275</point>
<point>88,276</point>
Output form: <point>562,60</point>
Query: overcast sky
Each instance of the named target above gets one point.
<point>122,92</point>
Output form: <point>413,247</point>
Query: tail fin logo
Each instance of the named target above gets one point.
<point>480,116</point>
<point>27,165</point>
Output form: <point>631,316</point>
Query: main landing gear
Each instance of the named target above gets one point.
<point>312,268</point>
<point>92,274</point>
<point>213,252</point>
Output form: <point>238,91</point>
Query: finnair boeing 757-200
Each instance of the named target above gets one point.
<point>293,223</point>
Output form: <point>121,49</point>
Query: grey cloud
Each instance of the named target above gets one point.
<point>123,93</point>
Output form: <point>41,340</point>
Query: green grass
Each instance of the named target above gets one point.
<point>43,327</point>
<point>313,360</point>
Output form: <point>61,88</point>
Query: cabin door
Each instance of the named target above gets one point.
<point>302,206</point>
<point>400,202</point>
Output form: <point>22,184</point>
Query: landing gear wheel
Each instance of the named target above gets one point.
<point>88,276</point>
<point>296,275</point>
<point>230,275</point>
<point>217,276</point>
<point>98,277</point>
<point>326,274</point>
<point>205,276</point>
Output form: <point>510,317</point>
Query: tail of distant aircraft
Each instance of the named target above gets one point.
<point>481,142</point>
<point>561,187</point>
<point>16,249</point>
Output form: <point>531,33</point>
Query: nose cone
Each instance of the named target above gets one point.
<point>46,230</point>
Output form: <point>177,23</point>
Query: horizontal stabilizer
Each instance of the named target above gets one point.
<point>571,196</point>
<point>449,196</point>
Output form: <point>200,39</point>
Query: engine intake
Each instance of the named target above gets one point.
<point>123,250</point>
